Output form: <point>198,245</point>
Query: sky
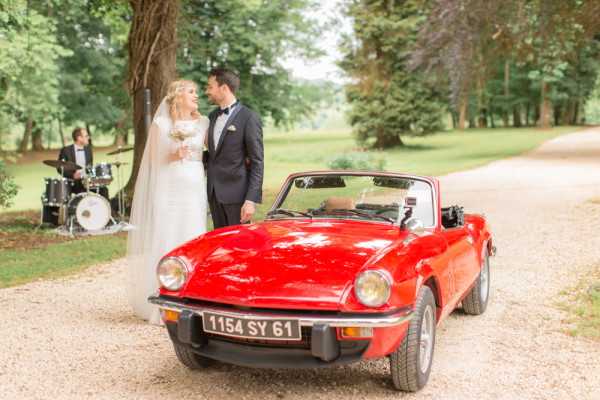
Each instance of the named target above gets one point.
<point>325,67</point>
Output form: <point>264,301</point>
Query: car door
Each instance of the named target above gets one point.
<point>460,253</point>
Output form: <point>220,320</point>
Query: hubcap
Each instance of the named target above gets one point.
<point>484,279</point>
<point>426,341</point>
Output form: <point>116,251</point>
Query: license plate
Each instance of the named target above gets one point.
<point>256,328</point>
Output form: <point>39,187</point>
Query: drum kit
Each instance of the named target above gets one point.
<point>88,212</point>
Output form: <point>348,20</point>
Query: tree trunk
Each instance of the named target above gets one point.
<point>36,138</point>
<point>545,120</point>
<point>482,120</point>
<point>462,114</point>
<point>567,116</point>
<point>385,141</point>
<point>517,117</point>
<point>88,128</point>
<point>557,112</point>
<point>152,46</point>
<point>527,112</point>
<point>63,141</point>
<point>121,130</point>
<point>575,120</point>
<point>505,118</point>
<point>472,122</point>
<point>454,119</point>
<point>24,145</point>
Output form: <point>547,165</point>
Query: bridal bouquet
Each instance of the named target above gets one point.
<point>179,135</point>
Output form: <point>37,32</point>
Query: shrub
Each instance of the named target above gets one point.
<point>8,188</point>
<point>359,161</point>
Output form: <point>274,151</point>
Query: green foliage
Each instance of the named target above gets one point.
<point>252,37</point>
<point>550,48</point>
<point>92,87</point>
<point>357,161</point>
<point>387,99</point>
<point>8,188</point>
<point>29,62</point>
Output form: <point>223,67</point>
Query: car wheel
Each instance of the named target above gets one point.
<point>190,359</point>
<point>476,300</point>
<point>410,364</point>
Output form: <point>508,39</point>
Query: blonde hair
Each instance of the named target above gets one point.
<point>174,92</point>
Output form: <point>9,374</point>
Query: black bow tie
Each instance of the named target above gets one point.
<point>226,110</point>
<point>80,149</point>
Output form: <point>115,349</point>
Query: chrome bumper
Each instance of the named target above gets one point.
<point>364,321</point>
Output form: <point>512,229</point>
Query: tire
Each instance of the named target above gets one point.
<point>189,358</point>
<point>410,364</point>
<point>476,300</point>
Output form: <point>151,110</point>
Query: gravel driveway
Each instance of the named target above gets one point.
<point>75,338</point>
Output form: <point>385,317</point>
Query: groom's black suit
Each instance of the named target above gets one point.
<point>231,178</point>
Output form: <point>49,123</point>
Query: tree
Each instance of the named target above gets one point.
<point>386,99</point>
<point>478,43</point>
<point>458,40</point>
<point>252,38</point>
<point>152,46</point>
<point>29,54</point>
<point>91,79</point>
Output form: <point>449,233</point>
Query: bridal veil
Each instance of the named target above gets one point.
<point>150,197</point>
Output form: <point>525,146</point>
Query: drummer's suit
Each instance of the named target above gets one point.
<point>67,153</point>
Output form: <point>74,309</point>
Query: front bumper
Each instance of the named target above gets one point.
<point>320,345</point>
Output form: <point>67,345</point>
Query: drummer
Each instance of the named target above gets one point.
<point>80,152</point>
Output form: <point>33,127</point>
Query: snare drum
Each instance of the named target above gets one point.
<point>57,192</point>
<point>89,210</point>
<point>99,175</point>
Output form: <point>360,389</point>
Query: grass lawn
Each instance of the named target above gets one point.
<point>285,153</point>
<point>28,253</point>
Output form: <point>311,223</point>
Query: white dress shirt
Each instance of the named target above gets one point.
<point>221,121</point>
<point>80,158</point>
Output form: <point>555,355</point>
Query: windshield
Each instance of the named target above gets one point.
<point>378,198</point>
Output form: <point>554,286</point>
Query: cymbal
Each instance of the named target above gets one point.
<point>120,150</point>
<point>61,164</point>
<point>119,163</point>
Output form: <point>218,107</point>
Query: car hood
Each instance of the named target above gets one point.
<point>288,264</point>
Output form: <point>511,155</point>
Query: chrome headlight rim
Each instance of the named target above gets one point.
<point>384,276</point>
<point>175,286</point>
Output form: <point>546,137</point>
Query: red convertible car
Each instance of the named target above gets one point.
<point>346,266</point>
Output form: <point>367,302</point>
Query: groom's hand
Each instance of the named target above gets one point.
<point>248,210</point>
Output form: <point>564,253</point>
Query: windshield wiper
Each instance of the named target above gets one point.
<point>358,213</point>
<point>289,213</point>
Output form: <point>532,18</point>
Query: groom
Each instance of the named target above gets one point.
<point>235,153</point>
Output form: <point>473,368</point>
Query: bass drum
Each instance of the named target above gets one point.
<point>90,211</point>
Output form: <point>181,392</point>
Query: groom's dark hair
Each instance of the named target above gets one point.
<point>227,77</point>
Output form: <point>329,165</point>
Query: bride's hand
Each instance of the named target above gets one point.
<point>181,153</point>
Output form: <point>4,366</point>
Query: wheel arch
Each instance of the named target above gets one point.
<point>432,283</point>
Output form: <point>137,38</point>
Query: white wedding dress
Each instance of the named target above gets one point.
<point>169,206</point>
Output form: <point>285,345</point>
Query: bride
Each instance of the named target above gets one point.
<point>170,202</point>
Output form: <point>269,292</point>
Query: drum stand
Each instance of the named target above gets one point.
<point>120,192</point>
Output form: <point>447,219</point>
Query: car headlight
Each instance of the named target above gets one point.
<point>373,288</point>
<point>172,273</point>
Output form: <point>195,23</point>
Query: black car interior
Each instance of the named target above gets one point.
<point>453,217</point>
